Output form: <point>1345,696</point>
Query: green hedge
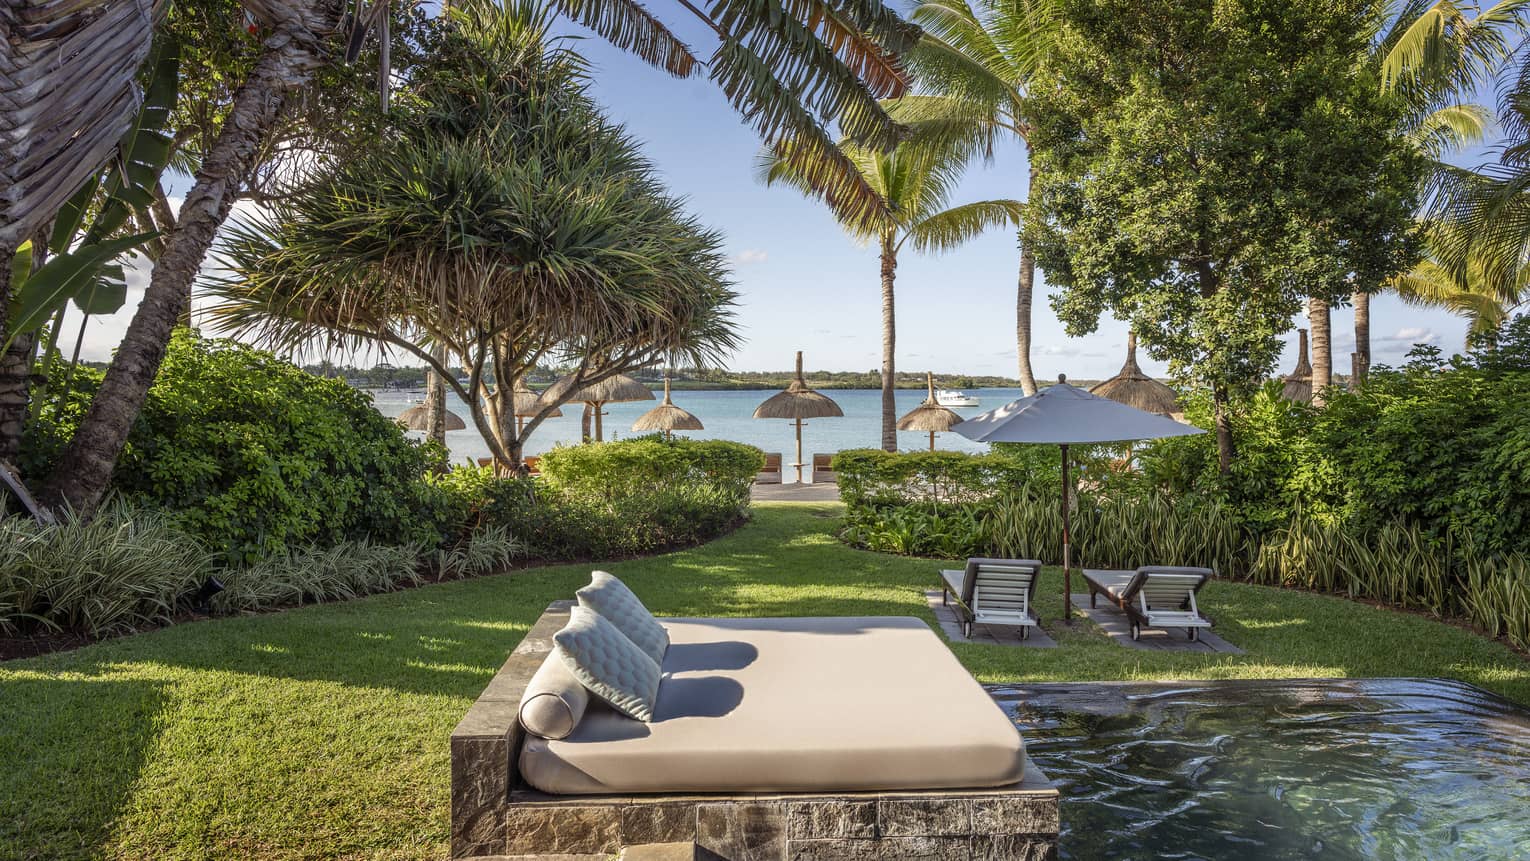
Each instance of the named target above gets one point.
<point>257,457</point>
<point>613,499</point>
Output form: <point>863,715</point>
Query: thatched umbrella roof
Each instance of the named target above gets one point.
<point>1136,389</point>
<point>798,402</point>
<point>666,417</point>
<point>929,416</point>
<point>415,419</point>
<point>1299,382</point>
<point>611,390</point>
<point>528,403</point>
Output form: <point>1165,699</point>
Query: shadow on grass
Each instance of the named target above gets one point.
<point>84,739</point>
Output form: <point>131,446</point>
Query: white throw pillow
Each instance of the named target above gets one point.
<point>611,598</point>
<point>611,666</point>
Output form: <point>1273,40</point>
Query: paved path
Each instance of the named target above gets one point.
<point>991,635</point>
<point>1119,628</point>
<point>826,491</point>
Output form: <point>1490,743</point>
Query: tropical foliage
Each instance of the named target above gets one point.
<point>1200,199</point>
<point>256,457</point>
<point>504,221</point>
<point>914,183</point>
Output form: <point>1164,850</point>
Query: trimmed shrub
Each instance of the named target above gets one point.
<point>257,457</point>
<point>634,467</point>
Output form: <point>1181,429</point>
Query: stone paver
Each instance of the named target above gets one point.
<point>992,635</point>
<point>1116,625</point>
<point>824,491</point>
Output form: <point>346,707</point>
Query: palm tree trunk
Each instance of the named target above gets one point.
<point>1322,348</point>
<point>1362,367</point>
<point>1023,306</point>
<point>16,364</point>
<point>289,57</point>
<point>889,340</point>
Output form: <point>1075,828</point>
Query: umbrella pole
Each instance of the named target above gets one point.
<point>799,441</point>
<point>599,408</point>
<point>932,440</point>
<point>1067,540</point>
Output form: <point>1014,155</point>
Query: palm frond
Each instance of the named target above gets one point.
<point>952,227</point>
<point>629,25</point>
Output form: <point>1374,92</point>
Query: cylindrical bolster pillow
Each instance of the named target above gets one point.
<point>554,700</point>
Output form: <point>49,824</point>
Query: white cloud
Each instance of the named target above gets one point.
<point>1413,335</point>
<point>749,256</point>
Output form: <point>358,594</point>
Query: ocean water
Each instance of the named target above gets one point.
<point>728,415</point>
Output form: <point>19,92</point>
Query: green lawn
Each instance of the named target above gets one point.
<point>321,732</point>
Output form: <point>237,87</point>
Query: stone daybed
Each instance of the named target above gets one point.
<point>496,812</point>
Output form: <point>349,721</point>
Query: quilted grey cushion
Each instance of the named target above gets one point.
<point>554,700</point>
<point>611,666</point>
<point>611,598</point>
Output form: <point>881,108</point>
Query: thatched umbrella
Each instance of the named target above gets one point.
<point>930,415</point>
<point>527,404</point>
<point>666,417</point>
<point>415,419</point>
<point>797,403</point>
<point>614,389</point>
<point>1299,382</point>
<point>1136,389</point>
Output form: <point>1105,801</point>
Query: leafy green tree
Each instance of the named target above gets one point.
<point>1198,174</point>
<point>915,184</point>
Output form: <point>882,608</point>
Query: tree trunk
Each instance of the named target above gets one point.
<point>889,340</point>
<point>1322,349</point>
<point>1223,421</point>
<point>435,400</point>
<point>289,56</point>
<point>1362,367</point>
<point>585,418</point>
<point>15,394</point>
<point>1023,307</point>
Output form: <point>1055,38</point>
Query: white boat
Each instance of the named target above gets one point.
<point>954,398</point>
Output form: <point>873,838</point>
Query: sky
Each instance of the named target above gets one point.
<point>804,284</point>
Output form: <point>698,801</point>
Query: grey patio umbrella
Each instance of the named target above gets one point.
<point>798,402</point>
<point>414,419</point>
<point>613,389</point>
<point>666,417</point>
<point>1064,415</point>
<point>929,416</point>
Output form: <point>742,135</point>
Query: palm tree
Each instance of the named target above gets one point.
<point>974,65</point>
<point>1430,53</point>
<point>504,221</point>
<point>790,68</point>
<point>914,183</point>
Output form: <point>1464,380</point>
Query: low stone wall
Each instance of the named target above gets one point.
<point>494,814</point>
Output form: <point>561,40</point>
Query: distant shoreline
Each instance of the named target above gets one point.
<point>696,386</point>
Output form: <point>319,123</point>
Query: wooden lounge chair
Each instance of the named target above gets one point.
<point>771,474</point>
<point>533,465</point>
<point>823,469</point>
<point>994,592</point>
<point>1157,596</point>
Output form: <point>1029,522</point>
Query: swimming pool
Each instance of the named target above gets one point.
<point>1375,768</point>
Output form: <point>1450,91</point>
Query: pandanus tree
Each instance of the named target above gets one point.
<point>974,66</point>
<point>914,184</point>
<point>503,223</point>
<point>792,68</point>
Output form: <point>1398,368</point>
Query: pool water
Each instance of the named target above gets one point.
<point>1372,769</point>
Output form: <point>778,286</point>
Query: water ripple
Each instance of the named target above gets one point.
<point>1341,769</point>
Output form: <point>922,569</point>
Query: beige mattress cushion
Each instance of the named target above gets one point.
<point>792,705</point>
